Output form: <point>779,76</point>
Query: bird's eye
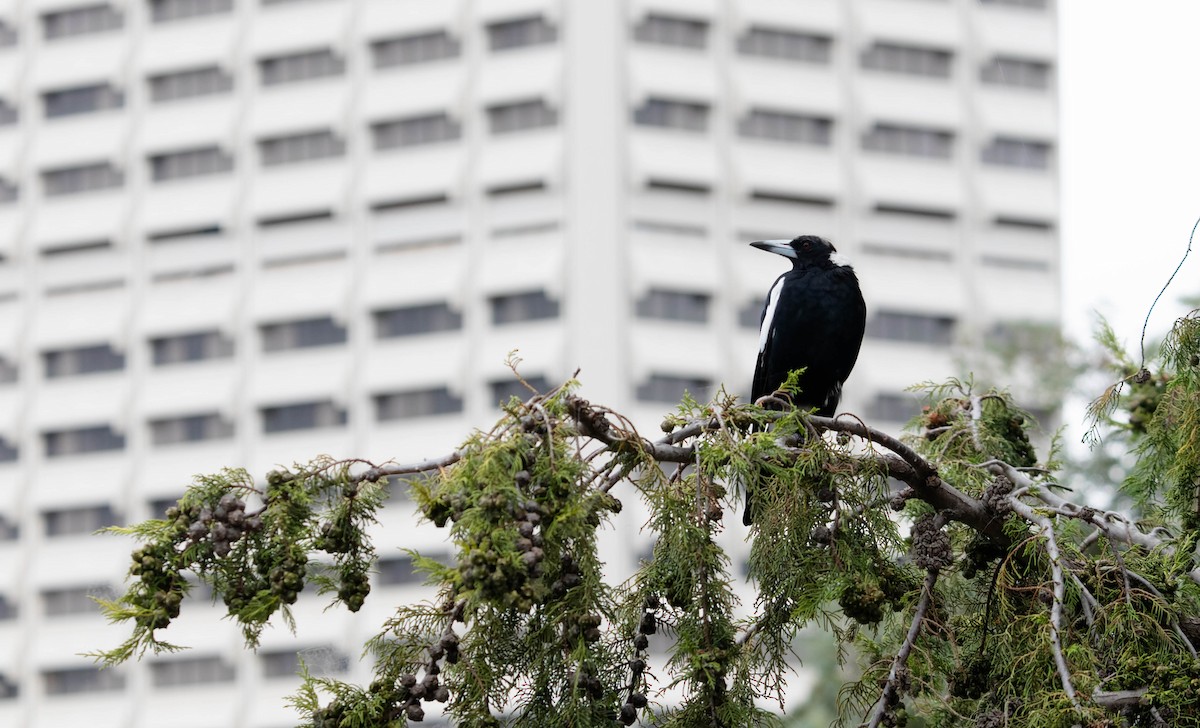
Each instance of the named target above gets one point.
<point>806,246</point>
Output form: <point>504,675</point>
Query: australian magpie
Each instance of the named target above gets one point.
<point>813,320</point>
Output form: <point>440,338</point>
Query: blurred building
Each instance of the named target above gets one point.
<point>244,233</point>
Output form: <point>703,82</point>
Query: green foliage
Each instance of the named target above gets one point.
<point>971,595</point>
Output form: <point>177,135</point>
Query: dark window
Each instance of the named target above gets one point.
<point>182,348</point>
<point>8,609</point>
<point>8,35</point>
<point>158,506</point>
<point>1017,72</point>
<point>507,118</point>
<point>416,403</point>
<point>893,407</point>
<point>303,334</point>
<point>792,198</point>
<point>786,127</point>
<point>82,680</point>
<point>81,21</point>
<point>84,178</point>
<point>919,328</point>
<point>912,60</point>
<point>184,233</point>
<point>749,316</point>
<point>192,428</point>
<point>396,571</point>
<point>294,218</point>
<point>906,252</point>
<point>78,521</point>
<point>190,671</point>
<point>8,453</point>
<point>75,600</point>
<point>506,389</point>
<point>8,371</point>
<point>8,688</point>
<point>676,185</point>
<point>1023,223</point>
<point>82,360</point>
<point>1008,152</point>
<point>929,213</point>
<point>786,44</point>
<point>319,661</point>
<point>190,163</point>
<point>189,84</point>
<point>520,33</point>
<point>670,388</point>
<point>672,31</point>
<point>532,306</point>
<point>416,320</point>
<point>9,192</point>
<point>303,416</point>
<point>163,11</point>
<point>81,440</point>
<point>909,140</point>
<point>516,188</point>
<point>9,529</point>
<point>300,67</point>
<point>672,114</point>
<point>412,49</point>
<point>300,148</point>
<point>8,113</point>
<point>428,129</point>
<point>673,306</point>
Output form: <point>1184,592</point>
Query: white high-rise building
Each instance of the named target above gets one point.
<point>236,232</point>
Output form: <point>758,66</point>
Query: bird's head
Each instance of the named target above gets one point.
<point>804,250</point>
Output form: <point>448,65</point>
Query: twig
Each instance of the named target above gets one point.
<point>891,686</point>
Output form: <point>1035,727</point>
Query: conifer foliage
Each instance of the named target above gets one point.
<point>973,589</point>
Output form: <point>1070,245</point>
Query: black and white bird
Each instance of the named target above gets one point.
<point>813,320</point>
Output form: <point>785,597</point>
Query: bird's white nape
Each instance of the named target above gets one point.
<point>772,300</point>
<point>839,259</point>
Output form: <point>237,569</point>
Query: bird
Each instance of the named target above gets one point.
<point>813,319</point>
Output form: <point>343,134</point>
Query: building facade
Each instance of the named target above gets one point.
<point>241,232</point>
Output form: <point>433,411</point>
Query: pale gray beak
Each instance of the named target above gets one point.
<point>779,247</point>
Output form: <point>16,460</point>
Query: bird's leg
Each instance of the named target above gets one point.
<point>778,400</point>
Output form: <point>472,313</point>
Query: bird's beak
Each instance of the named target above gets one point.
<point>779,247</point>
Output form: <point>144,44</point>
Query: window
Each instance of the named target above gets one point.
<point>319,661</point>
<point>302,416</point>
<point>911,60</point>
<point>78,521</point>
<point>673,306</point>
<point>189,84</point>
<point>672,114</point>
<point>912,141</point>
<point>1016,72</point>
<point>8,454</point>
<point>507,118</point>
<point>1023,223</point>
<point>516,188</point>
<point>506,389</point>
<point>82,680</point>
<point>749,316</point>
<point>532,306</point>
<point>520,33</point>
<point>190,671</point>
<point>428,129</point>
<point>164,11</point>
<point>786,44</point>
<point>8,688</point>
<point>1035,4</point>
<point>676,185</point>
<point>411,49</point>
<point>74,600</point>
<point>300,148</point>
<point>786,127</point>
<point>294,218</point>
<point>416,320</point>
<point>416,403</point>
<point>192,428</point>
<point>158,507</point>
<point>8,371</point>
<point>1009,152</point>
<point>670,388</point>
<point>8,35</point>
<point>181,348</point>
<point>304,334</point>
<point>9,192</point>
<point>84,178</point>
<point>82,360</point>
<point>190,163</point>
<point>8,609</point>
<point>77,441</point>
<point>396,571</point>
<point>81,21</point>
<point>792,198</point>
<point>300,67</point>
<point>918,328</point>
<point>8,113</point>
<point>9,529</point>
<point>928,213</point>
<point>893,407</point>
<point>672,31</point>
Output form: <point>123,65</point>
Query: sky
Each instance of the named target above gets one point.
<point>1130,165</point>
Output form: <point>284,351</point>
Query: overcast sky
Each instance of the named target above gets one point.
<point>1130,90</point>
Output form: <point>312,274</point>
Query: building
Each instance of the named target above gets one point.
<point>250,232</point>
